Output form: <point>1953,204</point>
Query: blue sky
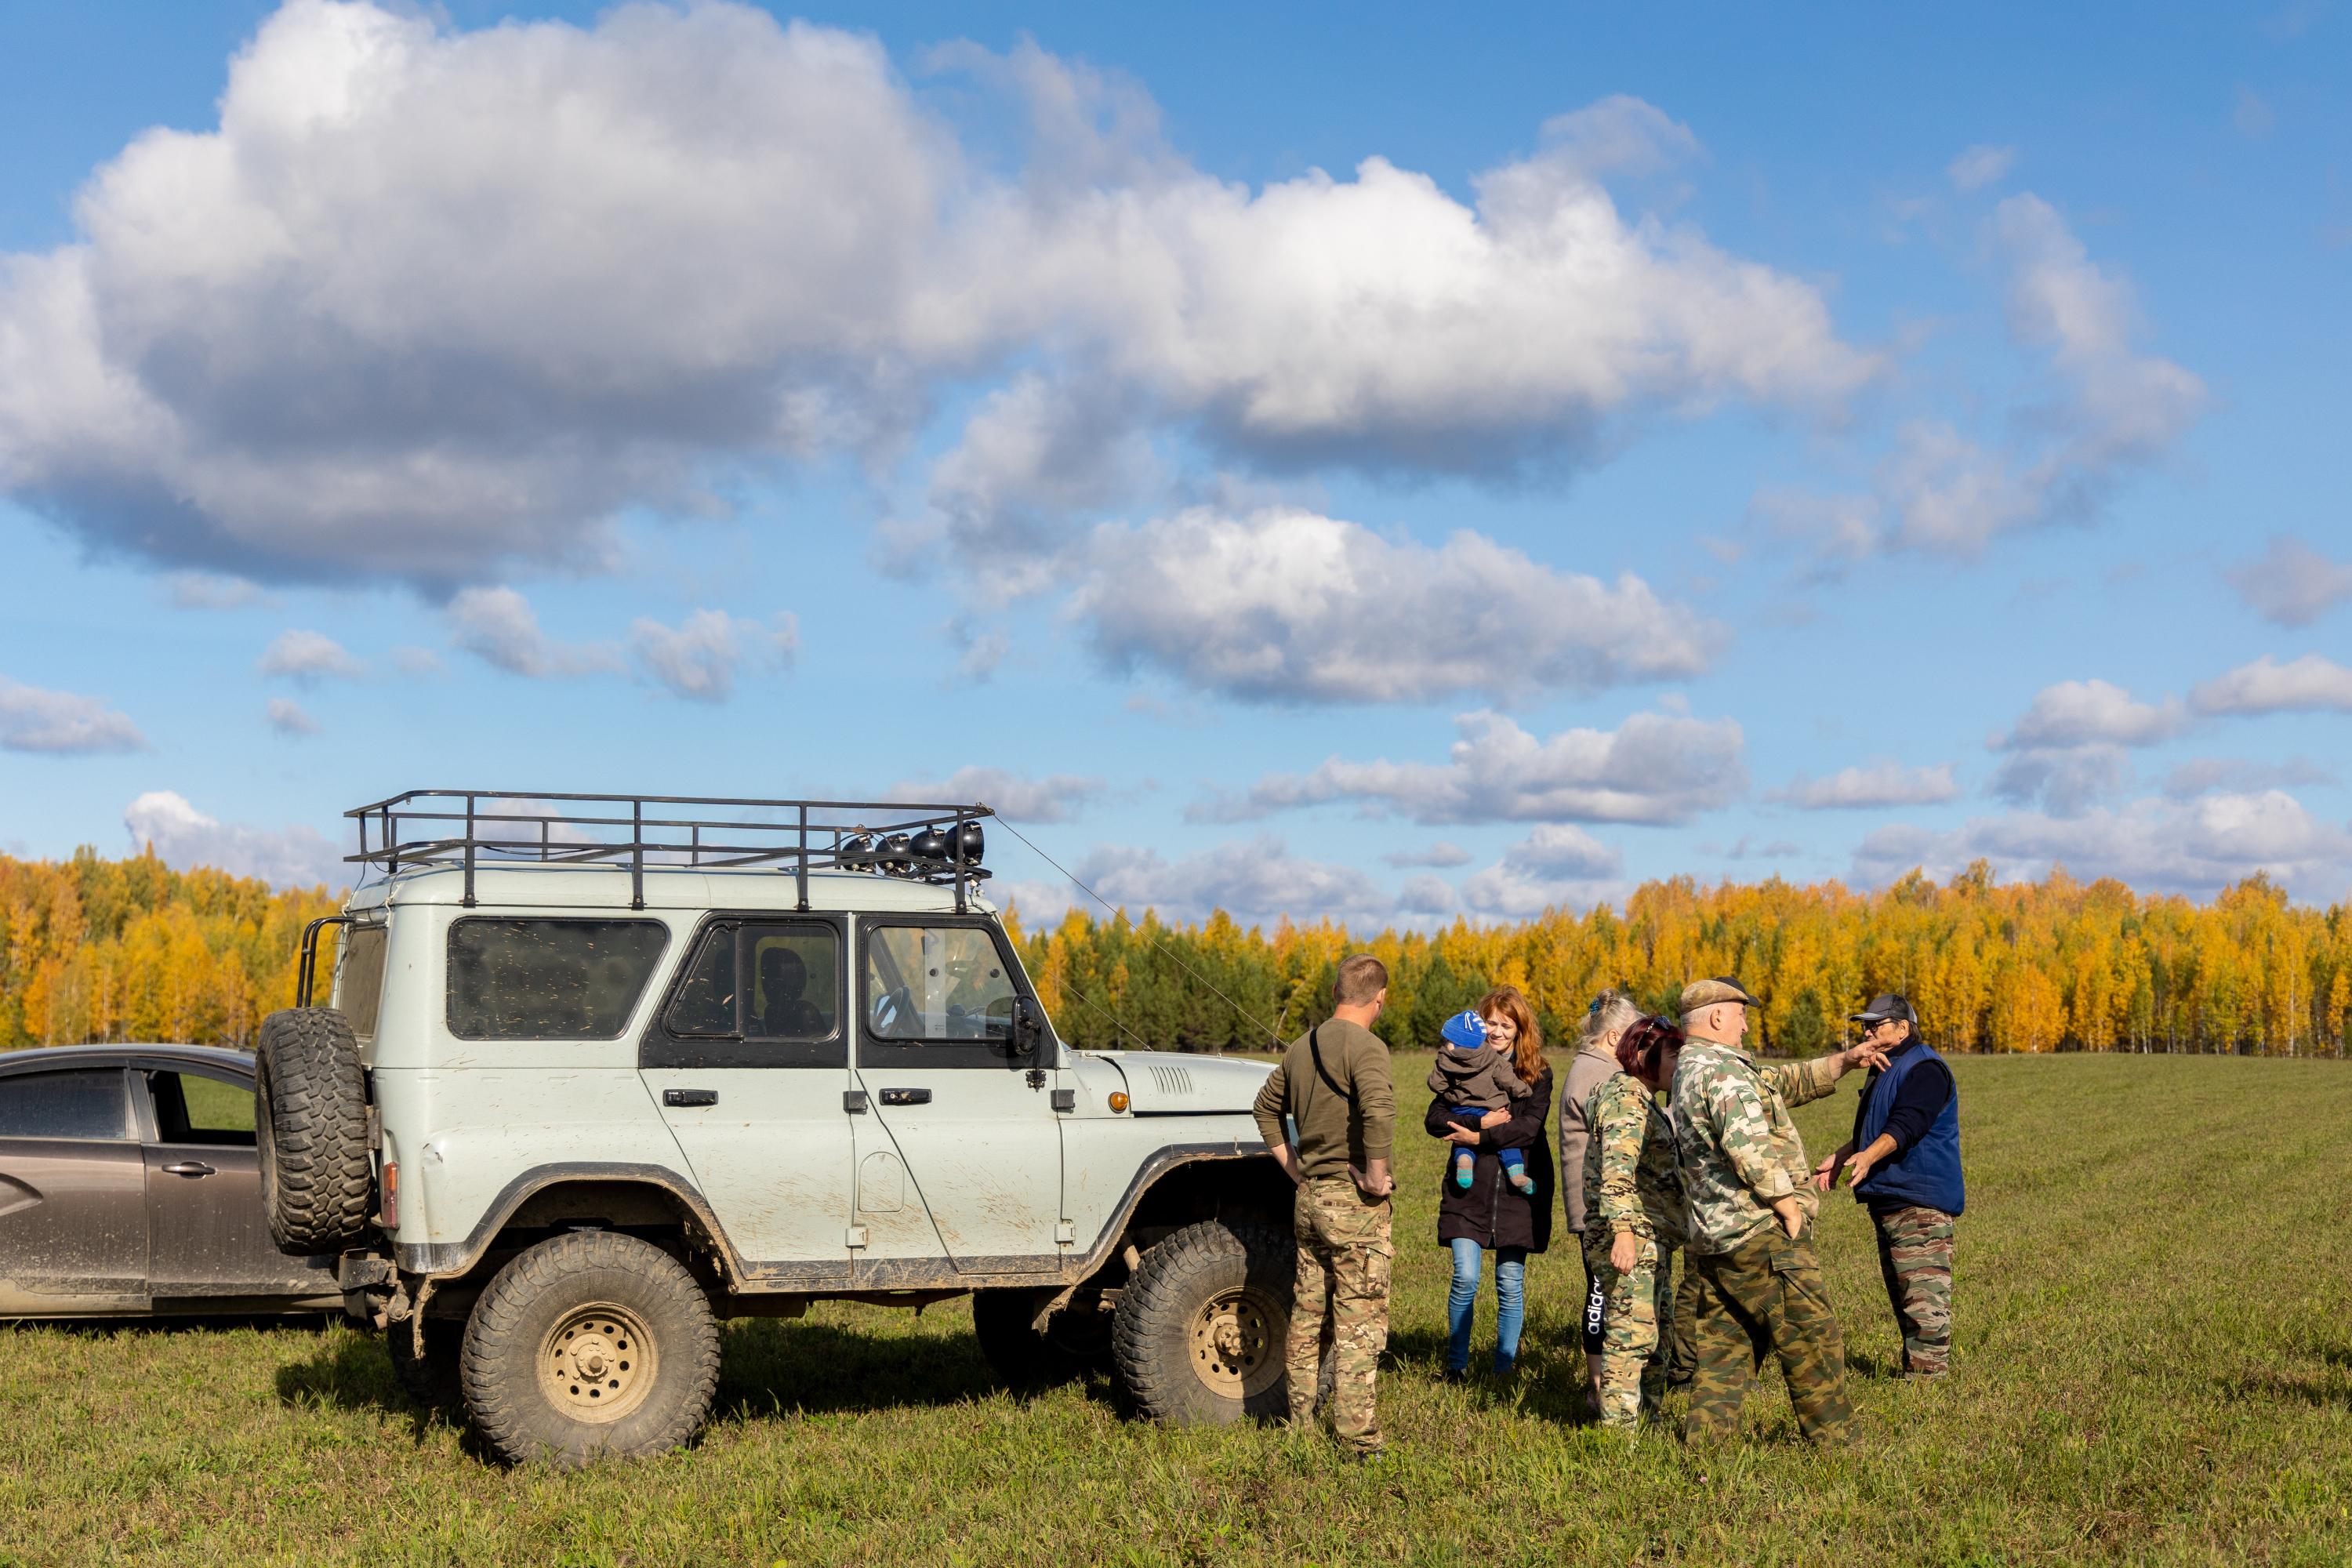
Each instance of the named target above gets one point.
<point>1352,462</point>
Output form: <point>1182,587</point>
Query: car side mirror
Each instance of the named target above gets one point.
<point>1028,1028</point>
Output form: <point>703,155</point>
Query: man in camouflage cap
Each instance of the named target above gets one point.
<point>1745,1179</point>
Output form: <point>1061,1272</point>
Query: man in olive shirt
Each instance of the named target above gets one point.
<point>1333,1083</point>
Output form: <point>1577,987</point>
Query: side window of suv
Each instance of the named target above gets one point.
<point>549,979</point>
<point>943,993</point>
<point>755,993</point>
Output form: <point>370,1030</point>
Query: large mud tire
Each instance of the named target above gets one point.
<point>309,1103</point>
<point>591,1345</point>
<point>1075,1341</point>
<point>431,1382</point>
<point>1200,1335</point>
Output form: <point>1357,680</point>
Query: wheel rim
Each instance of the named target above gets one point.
<point>597,1363</point>
<point>1235,1349</point>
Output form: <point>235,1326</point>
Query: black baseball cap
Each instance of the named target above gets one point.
<point>1886,1006</point>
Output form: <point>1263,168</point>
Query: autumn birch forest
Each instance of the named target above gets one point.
<point>96,949</point>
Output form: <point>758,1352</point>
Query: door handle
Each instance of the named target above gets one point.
<point>905,1097</point>
<point>689,1097</point>
<point>188,1168</point>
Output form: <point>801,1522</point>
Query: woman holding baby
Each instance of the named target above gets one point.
<point>1493,1097</point>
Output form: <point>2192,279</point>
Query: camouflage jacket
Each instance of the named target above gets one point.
<point>1734,1142</point>
<point>1631,1182</point>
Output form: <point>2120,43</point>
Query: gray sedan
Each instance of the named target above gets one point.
<point>129,1184</point>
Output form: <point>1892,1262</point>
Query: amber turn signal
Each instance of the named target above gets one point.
<point>1118,1100</point>
<point>392,1198</point>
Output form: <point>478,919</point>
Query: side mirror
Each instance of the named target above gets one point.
<point>1028,1029</point>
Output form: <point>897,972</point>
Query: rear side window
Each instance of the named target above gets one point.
<point>549,979</point>
<point>193,1108</point>
<point>359,977</point>
<point>88,1104</point>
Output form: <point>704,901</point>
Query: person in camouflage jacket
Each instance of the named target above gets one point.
<point>1749,1203</point>
<point>1634,1196</point>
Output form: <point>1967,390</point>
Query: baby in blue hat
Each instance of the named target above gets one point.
<point>1473,1077</point>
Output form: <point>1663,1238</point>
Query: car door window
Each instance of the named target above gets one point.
<point>191,1107</point>
<point>755,993</point>
<point>941,995</point>
<point>86,1104</point>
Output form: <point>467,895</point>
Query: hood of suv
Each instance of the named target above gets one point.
<point>1163,1083</point>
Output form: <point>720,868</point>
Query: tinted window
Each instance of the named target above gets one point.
<point>359,977</point>
<point>794,990</point>
<point>936,982</point>
<point>193,1108</point>
<point>87,1104</point>
<point>549,979</point>
<point>762,983</point>
<point>756,994</point>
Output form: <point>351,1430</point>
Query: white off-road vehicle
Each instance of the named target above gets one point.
<point>598,1072</point>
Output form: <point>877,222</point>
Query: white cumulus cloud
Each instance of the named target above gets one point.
<point>184,837</point>
<point>1288,605</point>
<point>439,305</point>
<point>2082,712</point>
<point>2108,411</point>
<point>2291,584</point>
<point>698,658</point>
<point>2192,847</point>
<point>309,656</point>
<point>2312,684</point>
<point>498,626</point>
<point>289,719</point>
<point>1556,866</point>
<point>62,722</point>
<point>1982,165</point>
<point>1057,797</point>
<point>1881,784</point>
<point>1653,768</point>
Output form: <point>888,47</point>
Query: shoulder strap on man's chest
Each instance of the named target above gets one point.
<point>1315,1050</point>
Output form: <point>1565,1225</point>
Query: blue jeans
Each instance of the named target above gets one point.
<point>1511,1304</point>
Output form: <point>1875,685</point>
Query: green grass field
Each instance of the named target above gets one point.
<point>2154,1362</point>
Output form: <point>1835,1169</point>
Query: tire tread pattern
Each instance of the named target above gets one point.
<point>498,1324</point>
<point>1164,1291</point>
<point>317,1179</point>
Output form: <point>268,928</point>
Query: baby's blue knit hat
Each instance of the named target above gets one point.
<point>1466,1030</point>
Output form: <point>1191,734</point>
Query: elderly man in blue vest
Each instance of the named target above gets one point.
<point>1904,1160</point>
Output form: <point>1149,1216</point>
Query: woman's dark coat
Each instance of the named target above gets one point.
<point>1493,1213</point>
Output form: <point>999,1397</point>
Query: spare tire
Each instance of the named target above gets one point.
<point>310,1119</point>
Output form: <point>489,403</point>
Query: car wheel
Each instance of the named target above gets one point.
<point>310,1119</point>
<point>1200,1331</point>
<point>1075,1341</point>
<point>592,1344</point>
<point>430,1380</point>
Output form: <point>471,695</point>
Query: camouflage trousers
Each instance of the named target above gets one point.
<point>1345,1258</point>
<point>1765,1295</point>
<point>1915,1258</point>
<point>1682,1345</point>
<point>1636,1306</point>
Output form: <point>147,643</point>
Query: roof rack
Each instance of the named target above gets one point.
<point>919,842</point>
